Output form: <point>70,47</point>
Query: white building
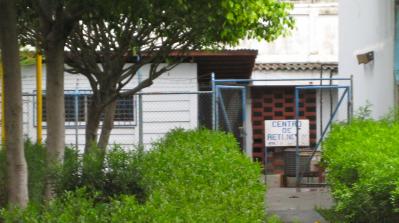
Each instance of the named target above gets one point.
<point>171,102</point>
<point>369,26</point>
<point>162,112</point>
<point>313,40</point>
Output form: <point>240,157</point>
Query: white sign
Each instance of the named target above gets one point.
<point>283,133</point>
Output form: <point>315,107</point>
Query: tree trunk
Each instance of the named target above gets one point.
<point>16,164</point>
<point>55,108</point>
<point>108,125</point>
<point>93,121</point>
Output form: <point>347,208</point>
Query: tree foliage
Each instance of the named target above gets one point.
<point>218,21</point>
<point>27,57</point>
<point>150,30</point>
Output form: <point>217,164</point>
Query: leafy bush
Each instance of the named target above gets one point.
<point>201,176</point>
<point>76,206</point>
<point>274,219</point>
<point>112,175</point>
<point>362,159</point>
<point>189,176</point>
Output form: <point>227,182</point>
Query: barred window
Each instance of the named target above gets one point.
<point>124,114</point>
<point>124,109</point>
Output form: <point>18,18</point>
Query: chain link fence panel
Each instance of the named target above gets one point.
<point>142,118</point>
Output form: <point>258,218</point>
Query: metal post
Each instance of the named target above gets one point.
<point>140,114</point>
<point>218,97</point>
<point>350,97</point>
<point>331,96</point>
<point>321,100</point>
<point>244,119</point>
<point>297,154</point>
<point>265,165</point>
<point>140,119</point>
<point>213,101</point>
<point>348,112</point>
<point>39,98</point>
<point>85,107</point>
<point>77,116</point>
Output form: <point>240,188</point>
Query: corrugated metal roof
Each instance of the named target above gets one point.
<point>295,66</point>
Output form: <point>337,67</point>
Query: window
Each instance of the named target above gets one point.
<point>124,109</point>
<point>124,114</point>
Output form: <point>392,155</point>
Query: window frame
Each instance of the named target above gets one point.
<point>82,124</point>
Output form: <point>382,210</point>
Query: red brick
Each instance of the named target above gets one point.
<point>278,172</point>
<point>278,162</point>
<point>267,96</point>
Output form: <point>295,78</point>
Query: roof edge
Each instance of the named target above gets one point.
<point>305,66</point>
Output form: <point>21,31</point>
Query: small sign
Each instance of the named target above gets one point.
<point>283,133</point>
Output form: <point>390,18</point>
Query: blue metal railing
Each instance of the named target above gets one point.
<point>299,174</point>
<point>217,83</point>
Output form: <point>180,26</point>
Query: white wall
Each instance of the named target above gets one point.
<point>328,99</point>
<point>314,39</point>
<point>248,124</point>
<point>368,25</point>
<point>312,74</point>
<point>161,112</point>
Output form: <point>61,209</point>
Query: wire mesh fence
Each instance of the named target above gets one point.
<point>139,119</point>
<point>230,112</point>
<point>161,112</point>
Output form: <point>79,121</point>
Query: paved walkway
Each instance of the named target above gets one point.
<point>292,206</point>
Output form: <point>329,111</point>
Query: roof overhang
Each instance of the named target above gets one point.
<point>226,64</point>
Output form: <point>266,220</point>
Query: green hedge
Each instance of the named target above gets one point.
<point>362,160</point>
<point>201,176</point>
<point>189,176</point>
<point>115,175</point>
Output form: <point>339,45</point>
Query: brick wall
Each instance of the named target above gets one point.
<point>276,103</point>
